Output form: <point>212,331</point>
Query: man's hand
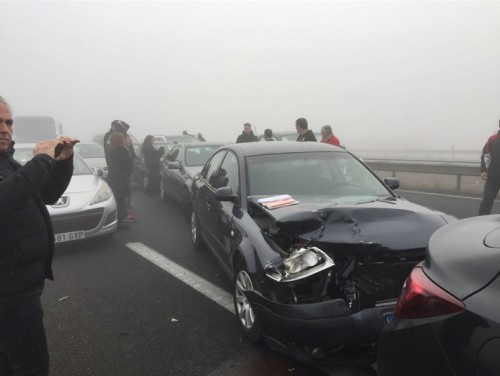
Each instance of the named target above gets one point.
<point>67,151</point>
<point>484,175</point>
<point>49,147</point>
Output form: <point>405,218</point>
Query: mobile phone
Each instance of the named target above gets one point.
<point>59,148</point>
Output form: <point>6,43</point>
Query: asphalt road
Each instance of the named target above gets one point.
<point>113,312</point>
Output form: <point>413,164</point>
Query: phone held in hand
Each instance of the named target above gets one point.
<point>57,151</point>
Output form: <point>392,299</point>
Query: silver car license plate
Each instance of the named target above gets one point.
<point>69,236</point>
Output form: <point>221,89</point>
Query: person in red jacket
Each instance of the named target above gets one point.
<point>327,136</point>
<point>490,171</point>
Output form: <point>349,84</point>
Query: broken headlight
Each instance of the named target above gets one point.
<point>301,263</point>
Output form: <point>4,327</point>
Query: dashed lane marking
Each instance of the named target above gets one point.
<point>211,291</point>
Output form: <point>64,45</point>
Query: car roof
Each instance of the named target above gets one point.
<point>280,147</point>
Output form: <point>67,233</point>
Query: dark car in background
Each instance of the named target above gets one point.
<point>447,320</point>
<point>179,167</point>
<point>140,173</point>
<point>316,245</point>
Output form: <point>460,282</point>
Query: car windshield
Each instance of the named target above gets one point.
<point>198,155</point>
<point>339,176</point>
<point>90,150</point>
<point>24,155</point>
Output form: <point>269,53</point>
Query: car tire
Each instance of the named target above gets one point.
<point>163,192</point>
<point>248,321</point>
<point>185,203</point>
<point>195,232</point>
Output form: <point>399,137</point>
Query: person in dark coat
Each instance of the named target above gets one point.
<point>151,162</point>
<point>27,245</point>
<point>490,172</point>
<point>119,168</point>
<point>247,134</point>
<point>268,135</point>
<point>305,134</point>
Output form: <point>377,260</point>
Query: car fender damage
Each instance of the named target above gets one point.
<point>339,267</point>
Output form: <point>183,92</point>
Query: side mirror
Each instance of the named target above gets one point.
<point>175,165</point>
<point>393,183</point>
<point>99,172</point>
<point>225,194</point>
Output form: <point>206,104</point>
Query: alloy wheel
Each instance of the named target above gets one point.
<point>244,309</point>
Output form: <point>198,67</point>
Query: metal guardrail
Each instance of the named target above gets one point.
<point>454,168</point>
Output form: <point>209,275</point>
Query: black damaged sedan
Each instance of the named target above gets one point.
<point>317,246</point>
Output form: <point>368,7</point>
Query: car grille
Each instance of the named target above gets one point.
<point>378,281</point>
<point>86,220</point>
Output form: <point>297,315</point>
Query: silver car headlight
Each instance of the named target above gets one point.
<point>301,263</point>
<point>104,193</point>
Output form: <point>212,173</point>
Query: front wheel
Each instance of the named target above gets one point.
<point>249,323</point>
<point>163,192</point>
<point>195,232</point>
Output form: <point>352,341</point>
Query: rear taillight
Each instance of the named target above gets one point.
<point>422,298</point>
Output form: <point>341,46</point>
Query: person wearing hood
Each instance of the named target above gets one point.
<point>305,134</point>
<point>247,134</point>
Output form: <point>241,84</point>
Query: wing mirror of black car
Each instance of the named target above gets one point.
<point>175,165</point>
<point>393,183</point>
<point>225,194</point>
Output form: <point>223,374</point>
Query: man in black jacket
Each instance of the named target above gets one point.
<point>27,245</point>
<point>304,133</point>
<point>247,134</point>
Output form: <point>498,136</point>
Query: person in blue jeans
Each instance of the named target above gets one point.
<point>27,245</point>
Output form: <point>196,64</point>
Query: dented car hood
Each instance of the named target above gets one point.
<point>393,224</point>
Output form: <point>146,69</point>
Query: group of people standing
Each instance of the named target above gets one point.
<point>303,131</point>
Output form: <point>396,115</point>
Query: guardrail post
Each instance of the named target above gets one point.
<point>459,183</point>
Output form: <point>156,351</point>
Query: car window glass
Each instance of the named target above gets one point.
<point>198,155</point>
<point>90,150</point>
<point>337,175</point>
<point>172,154</point>
<point>210,171</point>
<point>228,173</point>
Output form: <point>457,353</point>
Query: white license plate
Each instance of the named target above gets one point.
<point>69,236</point>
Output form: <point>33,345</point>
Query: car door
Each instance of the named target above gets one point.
<point>177,174</point>
<point>222,211</point>
<point>205,197</point>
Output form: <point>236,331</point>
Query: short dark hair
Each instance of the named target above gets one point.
<point>301,123</point>
<point>268,133</point>
<point>328,129</point>
<point>247,124</point>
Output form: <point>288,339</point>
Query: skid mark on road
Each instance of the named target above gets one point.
<point>211,291</point>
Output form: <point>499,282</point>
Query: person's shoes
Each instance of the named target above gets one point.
<point>129,218</point>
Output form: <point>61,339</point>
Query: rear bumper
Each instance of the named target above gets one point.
<point>325,327</point>
<point>411,347</point>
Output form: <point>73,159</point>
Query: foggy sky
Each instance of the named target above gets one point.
<point>383,74</point>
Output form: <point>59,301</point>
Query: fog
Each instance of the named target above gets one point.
<point>385,75</point>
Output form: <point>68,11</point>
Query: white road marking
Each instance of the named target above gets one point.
<point>215,293</point>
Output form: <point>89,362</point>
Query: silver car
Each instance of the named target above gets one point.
<point>93,154</point>
<point>86,209</point>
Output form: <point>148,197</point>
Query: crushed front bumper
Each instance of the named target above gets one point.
<point>316,332</point>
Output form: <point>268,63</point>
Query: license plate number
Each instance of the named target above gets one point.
<point>69,236</point>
